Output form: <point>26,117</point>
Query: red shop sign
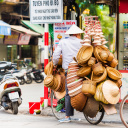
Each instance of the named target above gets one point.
<point>24,39</point>
<point>123,6</point>
<point>12,39</point>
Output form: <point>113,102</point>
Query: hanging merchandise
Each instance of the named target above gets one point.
<point>92,60</point>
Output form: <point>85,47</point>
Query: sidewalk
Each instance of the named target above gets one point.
<point>107,118</point>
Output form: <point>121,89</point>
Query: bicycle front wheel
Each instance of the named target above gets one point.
<point>57,109</point>
<point>123,111</point>
<point>96,120</point>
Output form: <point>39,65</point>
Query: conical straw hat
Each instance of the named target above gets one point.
<point>74,30</point>
<point>111,92</point>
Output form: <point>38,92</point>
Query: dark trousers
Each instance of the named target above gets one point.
<point>68,107</point>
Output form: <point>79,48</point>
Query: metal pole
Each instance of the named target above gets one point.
<point>46,42</point>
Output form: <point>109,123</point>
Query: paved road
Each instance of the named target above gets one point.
<point>32,93</point>
<point>7,120</point>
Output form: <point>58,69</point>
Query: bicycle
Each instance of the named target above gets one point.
<point>123,113</point>
<point>61,113</point>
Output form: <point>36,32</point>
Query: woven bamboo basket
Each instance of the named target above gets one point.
<point>84,54</point>
<point>84,71</point>
<point>113,73</point>
<point>91,61</point>
<point>89,86</point>
<point>49,68</point>
<point>110,56</point>
<point>91,108</point>
<point>101,78</point>
<point>114,63</point>
<point>78,102</point>
<point>97,51</point>
<point>104,55</point>
<point>98,69</point>
<point>119,83</point>
<point>49,81</point>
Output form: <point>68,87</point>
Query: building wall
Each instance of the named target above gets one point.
<point>3,52</point>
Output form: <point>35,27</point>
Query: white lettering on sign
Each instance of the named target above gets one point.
<point>46,11</point>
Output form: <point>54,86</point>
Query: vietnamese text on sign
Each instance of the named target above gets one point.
<point>46,11</point>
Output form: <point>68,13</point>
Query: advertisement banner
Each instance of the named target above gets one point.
<point>12,39</point>
<point>24,39</point>
<point>60,29</point>
<point>46,11</point>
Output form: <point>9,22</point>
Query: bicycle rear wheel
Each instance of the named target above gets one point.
<point>58,114</point>
<point>96,120</point>
<point>123,111</point>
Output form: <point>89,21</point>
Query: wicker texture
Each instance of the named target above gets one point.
<point>89,86</point>
<point>78,102</point>
<point>98,69</point>
<point>84,54</point>
<point>113,73</point>
<point>91,61</point>
<point>91,108</point>
<point>49,68</point>
<point>114,63</point>
<point>84,71</point>
<point>110,56</point>
<point>99,94</point>
<point>101,78</point>
<point>104,55</point>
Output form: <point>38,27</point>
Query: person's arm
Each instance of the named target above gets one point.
<point>57,53</point>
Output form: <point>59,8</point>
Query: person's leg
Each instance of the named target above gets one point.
<point>68,107</point>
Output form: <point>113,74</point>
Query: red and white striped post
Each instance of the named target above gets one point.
<point>46,42</point>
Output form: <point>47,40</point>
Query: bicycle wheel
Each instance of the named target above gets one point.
<point>96,120</point>
<point>123,110</point>
<point>58,114</point>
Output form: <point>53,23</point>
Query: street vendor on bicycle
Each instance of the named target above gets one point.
<point>68,48</point>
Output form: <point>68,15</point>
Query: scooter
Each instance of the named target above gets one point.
<point>37,75</point>
<point>22,75</point>
<point>10,93</point>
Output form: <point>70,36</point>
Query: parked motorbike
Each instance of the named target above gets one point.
<point>37,75</point>
<point>10,93</point>
<point>4,65</point>
<point>22,75</point>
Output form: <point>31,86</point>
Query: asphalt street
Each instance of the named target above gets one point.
<point>32,93</point>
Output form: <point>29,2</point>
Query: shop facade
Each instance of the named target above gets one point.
<point>123,35</point>
<point>22,45</point>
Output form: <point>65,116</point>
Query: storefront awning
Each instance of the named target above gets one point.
<point>24,30</point>
<point>5,28</point>
<point>35,27</point>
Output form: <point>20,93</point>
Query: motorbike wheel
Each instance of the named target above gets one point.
<point>29,79</point>
<point>14,107</point>
<point>39,78</point>
<point>22,81</point>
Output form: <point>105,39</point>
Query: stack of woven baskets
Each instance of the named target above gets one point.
<point>91,77</point>
<point>55,80</point>
<point>95,68</point>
